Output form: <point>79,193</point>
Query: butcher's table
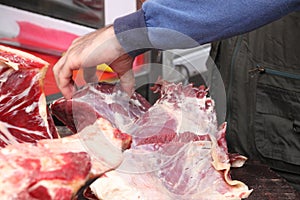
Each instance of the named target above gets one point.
<point>266,184</point>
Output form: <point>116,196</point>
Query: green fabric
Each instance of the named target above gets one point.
<point>263,106</point>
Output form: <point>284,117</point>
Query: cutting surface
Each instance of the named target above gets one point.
<point>265,183</point>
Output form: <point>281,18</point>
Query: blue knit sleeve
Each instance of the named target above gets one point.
<point>169,24</point>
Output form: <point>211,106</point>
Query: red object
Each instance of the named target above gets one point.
<point>31,171</point>
<point>45,38</point>
<point>23,115</point>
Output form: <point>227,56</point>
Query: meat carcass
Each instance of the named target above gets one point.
<point>24,115</point>
<point>177,150</point>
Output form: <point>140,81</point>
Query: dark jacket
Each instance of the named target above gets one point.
<point>261,73</point>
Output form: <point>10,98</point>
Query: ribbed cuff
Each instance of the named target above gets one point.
<point>131,32</point>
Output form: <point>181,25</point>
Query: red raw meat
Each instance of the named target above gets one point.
<point>177,150</point>
<point>24,114</point>
<point>54,169</point>
<point>183,111</point>
<point>34,162</point>
<point>35,172</point>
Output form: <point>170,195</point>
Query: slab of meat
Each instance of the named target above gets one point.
<point>31,172</point>
<point>54,169</point>
<point>103,143</point>
<point>177,150</point>
<point>24,114</point>
<point>100,100</point>
<point>34,162</point>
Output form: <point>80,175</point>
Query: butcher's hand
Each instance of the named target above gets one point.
<point>98,47</point>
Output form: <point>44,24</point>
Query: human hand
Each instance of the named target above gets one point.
<point>100,46</point>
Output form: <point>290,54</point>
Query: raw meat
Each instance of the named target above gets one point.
<point>24,114</point>
<point>177,150</point>
<point>100,140</point>
<point>55,169</point>
<point>34,162</point>
<point>100,100</point>
<point>176,153</point>
<point>31,172</point>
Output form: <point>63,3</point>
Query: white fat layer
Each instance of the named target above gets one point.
<point>115,185</point>
<point>98,140</point>
<point>5,126</point>
<point>8,138</point>
<point>8,63</point>
<point>4,76</point>
<point>115,189</point>
<point>31,107</point>
<point>43,112</point>
<point>22,54</point>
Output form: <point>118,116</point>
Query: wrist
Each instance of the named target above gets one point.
<point>132,33</point>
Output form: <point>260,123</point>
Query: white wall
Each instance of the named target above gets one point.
<point>117,8</point>
<point>9,17</point>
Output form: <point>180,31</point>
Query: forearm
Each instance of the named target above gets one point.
<point>163,24</point>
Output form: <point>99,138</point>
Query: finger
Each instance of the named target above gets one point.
<point>127,82</point>
<point>57,68</point>
<point>58,65</point>
<point>63,76</point>
<point>67,86</point>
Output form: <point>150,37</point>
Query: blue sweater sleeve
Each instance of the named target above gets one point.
<point>169,24</point>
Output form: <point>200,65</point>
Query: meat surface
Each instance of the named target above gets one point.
<point>29,171</point>
<point>24,115</point>
<point>100,100</point>
<point>34,162</point>
<point>100,140</point>
<point>54,169</point>
<point>177,150</point>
